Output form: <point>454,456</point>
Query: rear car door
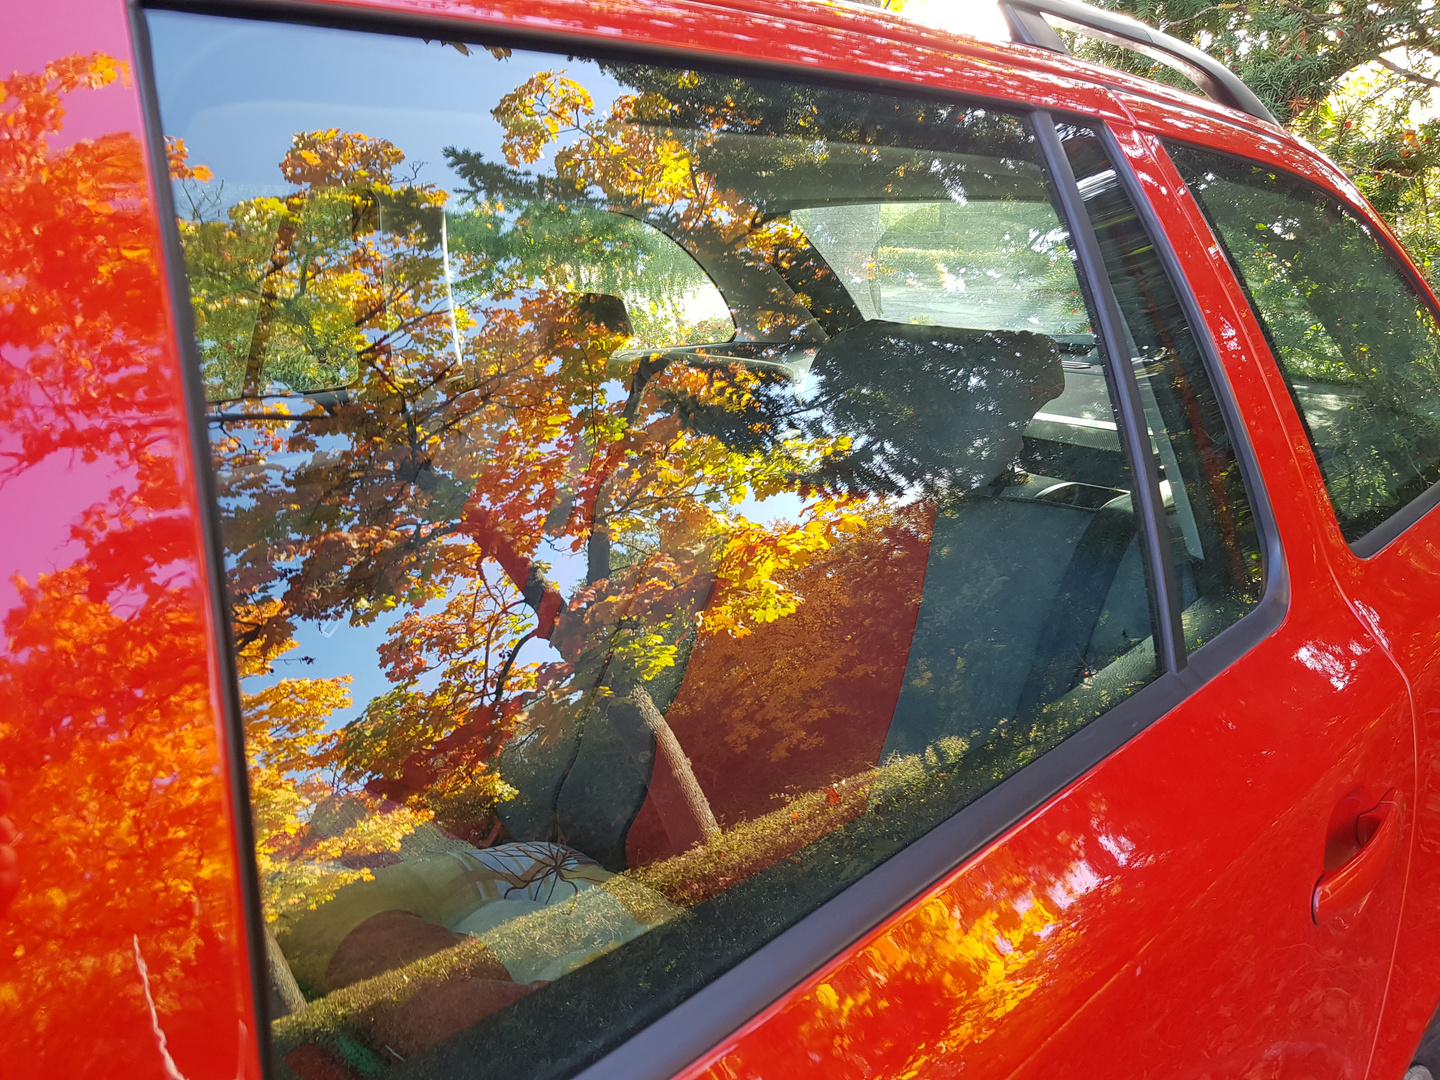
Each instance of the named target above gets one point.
<point>1221,966</point>
<point>688,615</point>
<point>1353,331</point>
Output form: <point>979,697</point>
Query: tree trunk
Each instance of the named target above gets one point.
<point>684,810</point>
<point>597,553</point>
<point>284,992</point>
<point>265,317</point>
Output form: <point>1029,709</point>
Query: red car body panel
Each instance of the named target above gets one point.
<point>125,950</point>
<point>1176,874</point>
<point>1392,590</point>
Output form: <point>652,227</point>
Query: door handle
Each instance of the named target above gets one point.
<point>1338,891</point>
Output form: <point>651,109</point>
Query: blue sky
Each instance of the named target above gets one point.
<point>237,90</point>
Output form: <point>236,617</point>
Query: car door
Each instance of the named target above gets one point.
<point>123,945</point>
<point>1156,918</point>
<point>689,637</point>
<point>1185,850</point>
<point>1372,454</point>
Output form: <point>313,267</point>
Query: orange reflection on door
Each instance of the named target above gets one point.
<point>123,946</point>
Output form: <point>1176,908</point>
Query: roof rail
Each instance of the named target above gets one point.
<point>1028,25</point>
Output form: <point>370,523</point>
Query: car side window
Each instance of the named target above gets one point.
<point>650,500</point>
<point>1213,543</point>
<point>1356,342</point>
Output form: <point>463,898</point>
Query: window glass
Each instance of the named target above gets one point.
<point>1000,263</point>
<point>1212,530</point>
<point>668,299</point>
<point>620,564</point>
<point>1358,346</point>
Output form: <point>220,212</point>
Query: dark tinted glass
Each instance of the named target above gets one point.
<point>651,498</point>
<point>1212,531</point>
<point>1357,344</point>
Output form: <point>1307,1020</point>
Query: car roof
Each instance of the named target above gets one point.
<point>874,22</point>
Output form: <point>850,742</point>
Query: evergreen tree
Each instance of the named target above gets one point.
<point>1355,78</point>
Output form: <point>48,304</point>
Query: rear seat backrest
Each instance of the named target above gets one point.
<point>996,567</point>
<point>1014,591</point>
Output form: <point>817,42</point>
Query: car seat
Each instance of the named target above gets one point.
<point>1022,596</point>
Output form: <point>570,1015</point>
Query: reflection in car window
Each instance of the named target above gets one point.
<point>1357,344</point>
<point>1000,263</point>
<point>1212,530</point>
<point>620,566</point>
<point>668,299</point>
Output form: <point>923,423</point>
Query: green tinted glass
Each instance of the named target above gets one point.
<point>1357,344</point>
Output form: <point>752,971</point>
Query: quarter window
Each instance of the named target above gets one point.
<point>1357,344</point>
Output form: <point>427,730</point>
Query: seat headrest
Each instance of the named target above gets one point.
<point>940,407</point>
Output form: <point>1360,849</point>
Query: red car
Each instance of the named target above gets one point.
<point>736,539</point>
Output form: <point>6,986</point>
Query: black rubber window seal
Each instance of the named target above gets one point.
<point>1125,396</point>
<point>1274,594</point>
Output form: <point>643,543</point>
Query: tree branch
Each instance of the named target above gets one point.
<point>1413,76</point>
<point>505,670</point>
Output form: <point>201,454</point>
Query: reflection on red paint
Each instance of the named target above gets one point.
<point>944,978</point>
<point>123,942</point>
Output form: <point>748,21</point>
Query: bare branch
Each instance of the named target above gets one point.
<point>1413,76</point>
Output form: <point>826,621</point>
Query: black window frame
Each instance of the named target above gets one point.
<point>1374,541</point>
<point>702,1021</point>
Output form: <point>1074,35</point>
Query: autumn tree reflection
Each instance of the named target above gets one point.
<point>417,487</point>
<point>643,492</point>
<point>125,920</point>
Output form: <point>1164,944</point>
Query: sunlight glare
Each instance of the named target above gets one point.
<point>979,18</point>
